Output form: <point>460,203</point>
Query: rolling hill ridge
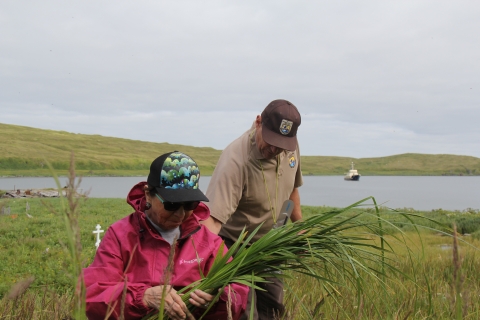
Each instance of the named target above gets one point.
<point>25,151</point>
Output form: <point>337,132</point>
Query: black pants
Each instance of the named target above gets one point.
<point>269,303</point>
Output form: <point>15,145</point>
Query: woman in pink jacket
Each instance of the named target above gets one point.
<point>130,269</point>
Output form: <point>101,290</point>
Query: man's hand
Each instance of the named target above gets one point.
<point>174,306</point>
<point>297,210</point>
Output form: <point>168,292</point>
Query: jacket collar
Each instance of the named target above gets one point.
<point>136,198</point>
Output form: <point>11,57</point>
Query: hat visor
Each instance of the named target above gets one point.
<point>181,195</point>
<point>278,140</point>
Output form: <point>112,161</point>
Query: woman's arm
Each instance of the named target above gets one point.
<point>107,287</point>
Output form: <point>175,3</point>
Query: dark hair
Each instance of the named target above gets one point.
<point>152,191</point>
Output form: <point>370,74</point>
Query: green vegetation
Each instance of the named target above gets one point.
<point>409,164</point>
<point>38,246</point>
<point>422,271</point>
<point>444,286</point>
<point>23,152</point>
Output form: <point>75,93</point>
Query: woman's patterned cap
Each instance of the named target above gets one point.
<point>176,177</point>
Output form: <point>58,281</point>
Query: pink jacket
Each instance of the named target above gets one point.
<point>132,252</point>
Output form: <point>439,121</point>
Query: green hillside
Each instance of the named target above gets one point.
<point>24,152</point>
<point>408,164</point>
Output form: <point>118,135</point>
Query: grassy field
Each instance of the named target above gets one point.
<point>24,152</point>
<point>428,291</point>
<point>36,246</point>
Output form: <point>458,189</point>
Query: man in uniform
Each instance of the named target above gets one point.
<point>254,176</point>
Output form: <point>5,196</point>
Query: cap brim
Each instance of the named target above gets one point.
<point>279,141</point>
<point>181,195</point>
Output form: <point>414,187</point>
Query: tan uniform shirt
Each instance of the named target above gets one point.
<point>239,194</point>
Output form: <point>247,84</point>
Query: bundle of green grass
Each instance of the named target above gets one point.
<point>323,246</point>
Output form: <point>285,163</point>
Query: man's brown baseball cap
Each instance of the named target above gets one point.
<point>280,121</point>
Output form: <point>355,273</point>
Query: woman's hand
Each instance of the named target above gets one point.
<point>200,299</point>
<point>174,307</point>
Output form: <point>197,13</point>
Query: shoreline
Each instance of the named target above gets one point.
<point>52,193</point>
<point>34,193</point>
<point>209,175</point>
<point>422,193</point>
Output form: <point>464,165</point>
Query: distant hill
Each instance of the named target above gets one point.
<point>407,164</point>
<point>24,152</point>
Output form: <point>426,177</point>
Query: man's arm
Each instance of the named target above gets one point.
<point>297,211</point>
<point>212,224</point>
<point>225,188</point>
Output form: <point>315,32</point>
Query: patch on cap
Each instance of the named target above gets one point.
<point>286,127</point>
<point>179,171</point>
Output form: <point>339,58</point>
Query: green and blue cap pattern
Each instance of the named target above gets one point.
<point>179,171</point>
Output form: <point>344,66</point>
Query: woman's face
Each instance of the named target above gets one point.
<point>167,220</point>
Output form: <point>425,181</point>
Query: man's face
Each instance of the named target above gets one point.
<point>267,150</point>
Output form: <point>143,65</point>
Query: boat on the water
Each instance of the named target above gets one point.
<point>352,175</point>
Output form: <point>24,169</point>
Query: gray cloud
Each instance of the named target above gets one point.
<point>370,78</point>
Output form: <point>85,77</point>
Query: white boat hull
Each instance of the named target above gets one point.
<point>352,178</point>
<point>352,175</point>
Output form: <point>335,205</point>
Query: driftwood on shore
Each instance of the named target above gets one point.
<point>33,193</point>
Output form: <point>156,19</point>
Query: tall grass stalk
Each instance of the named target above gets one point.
<point>167,277</point>
<point>37,305</point>
<point>457,279</point>
<point>70,213</point>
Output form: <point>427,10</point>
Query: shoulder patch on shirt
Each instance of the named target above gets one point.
<point>292,161</point>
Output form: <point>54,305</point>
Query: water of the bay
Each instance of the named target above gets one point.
<point>420,193</point>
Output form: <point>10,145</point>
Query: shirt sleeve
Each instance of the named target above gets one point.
<point>298,176</point>
<point>105,284</point>
<point>225,188</point>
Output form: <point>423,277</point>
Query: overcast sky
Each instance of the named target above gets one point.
<point>370,78</point>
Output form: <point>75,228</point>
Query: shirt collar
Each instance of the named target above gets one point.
<point>160,230</point>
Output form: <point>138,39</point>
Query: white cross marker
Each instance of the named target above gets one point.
<point>98,231</point>
<point>26,210</point>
